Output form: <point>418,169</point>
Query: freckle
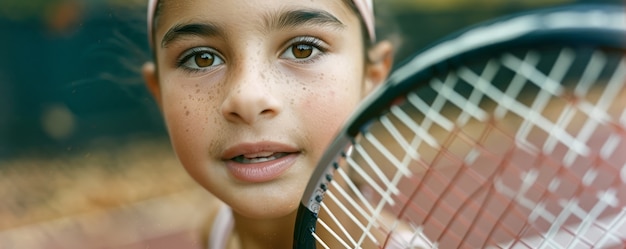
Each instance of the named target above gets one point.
<point>198,90</point>
<point>187,113</point>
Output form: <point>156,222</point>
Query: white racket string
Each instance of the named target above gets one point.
<point>515,88</point>
<point>593,70</point>
<point>355,190</point>
<point>401,171</point>
<point>420,130</point>
<point>353,220</point>
<point>549,87</point>
<point>378,188</point>
<point>340,227</point>
<point>386,195</point>
<point>613,224</point>
<point>401,166</point>
<point>409,149</point>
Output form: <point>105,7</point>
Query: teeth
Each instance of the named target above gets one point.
<point>262,154</point>
<point>246,160</point>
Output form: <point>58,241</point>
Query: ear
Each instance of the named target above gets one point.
<point>377,70</point>
<point>152,81</point>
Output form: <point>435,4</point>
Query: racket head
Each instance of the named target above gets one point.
<point>436,214</point>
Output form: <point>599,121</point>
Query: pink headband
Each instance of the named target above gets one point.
<point>365,7</point>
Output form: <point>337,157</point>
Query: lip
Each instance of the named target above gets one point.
<point>263,170</point>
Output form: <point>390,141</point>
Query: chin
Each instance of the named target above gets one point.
<point>267,203</point>
<point>267,211</point>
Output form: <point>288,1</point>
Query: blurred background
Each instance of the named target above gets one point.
<point>84,158</point>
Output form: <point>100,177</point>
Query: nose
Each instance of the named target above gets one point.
<point>251,98</point>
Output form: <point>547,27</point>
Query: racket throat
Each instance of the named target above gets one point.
<point>303,234</point>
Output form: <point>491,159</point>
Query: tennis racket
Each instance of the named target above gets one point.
<point>510,134</point>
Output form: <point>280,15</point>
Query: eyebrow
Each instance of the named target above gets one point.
<point>273,21</point>
<point>295,18</point>
<point>192,29</point>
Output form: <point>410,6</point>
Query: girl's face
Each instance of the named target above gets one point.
<point>252,92</point>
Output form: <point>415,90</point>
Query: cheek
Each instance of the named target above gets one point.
<point>330,106</point>
<point>326,107</point>
<point>188,113</point>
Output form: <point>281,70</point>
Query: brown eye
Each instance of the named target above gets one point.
<point>302,51</point>
<point>204,59</point>
<point>200,58</point>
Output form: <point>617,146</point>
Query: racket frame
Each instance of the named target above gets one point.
<point>528,29</point>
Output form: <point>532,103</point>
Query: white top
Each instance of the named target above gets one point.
<point>221,229</point>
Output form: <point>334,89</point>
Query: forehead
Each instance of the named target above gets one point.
<point>242,12</point>
<point>219,5</point>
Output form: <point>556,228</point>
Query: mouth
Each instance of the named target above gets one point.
<point>259,158</point>
<point>259,162</point>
